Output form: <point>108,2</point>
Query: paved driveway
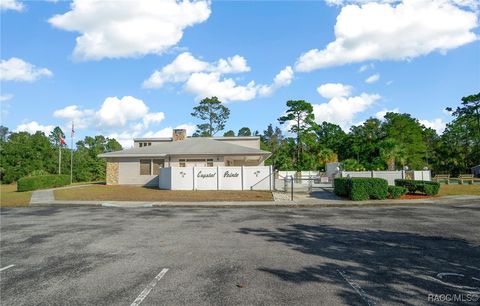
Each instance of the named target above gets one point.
<point>174,256</point>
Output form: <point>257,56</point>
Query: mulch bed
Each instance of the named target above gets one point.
<point>414,196</point>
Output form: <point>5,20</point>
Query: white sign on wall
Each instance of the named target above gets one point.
<point>206,178</point>
<point>230,178</point>
<point>216,178</point>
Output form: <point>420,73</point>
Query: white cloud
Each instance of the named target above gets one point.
<point>210,84</point>
<point>472,4</point>
<point>167,132</point>
<point>125,138</point>
<point>184,65</point>
<point>393,31</point>
<point>11,5</point>
<point>82,118</point>
<point>381,114</point>
<point>33,126</point>
<point>436,124</point>
<point>115,112</point>
<point>6,97</point>
<point>332,90</point>
<point>205,79</point>
<point>366,67</point>
<point>177,71</point>
<point>282,79</point>
<point>154,118</point>
<point>115,29</point>
<point>16,69</point>
<point>342,110</point>
<point>373,78</point>
<point>235,64</point>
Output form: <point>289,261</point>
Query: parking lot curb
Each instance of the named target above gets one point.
<point>270,204</point>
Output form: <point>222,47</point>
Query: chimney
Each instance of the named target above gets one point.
<point>179,134</point>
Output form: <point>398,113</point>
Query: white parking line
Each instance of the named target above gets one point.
<point>149,288</point>
<point>357,289</point>
<point>7,267</point>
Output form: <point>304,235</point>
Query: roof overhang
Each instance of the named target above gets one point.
<point>264,154</point>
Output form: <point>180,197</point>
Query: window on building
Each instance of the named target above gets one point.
<point>145,165</point>
<point>157,164</point>
<point>149,143</point>
<point>181,162</point>
<point>140,144</point>
<point>209,162</point>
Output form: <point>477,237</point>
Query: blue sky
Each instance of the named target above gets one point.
<point>95,64</point>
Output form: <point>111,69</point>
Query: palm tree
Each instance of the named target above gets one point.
<point>326,156</point>
<point>391,151</point>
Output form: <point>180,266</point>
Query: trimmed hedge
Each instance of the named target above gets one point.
<point>426,187</point>
<point>44,181</point>
<point>395,192</point>
<point>368,188</point>
<point>360,188</point>
<point>341,186</point>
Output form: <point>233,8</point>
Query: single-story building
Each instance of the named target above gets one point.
<point>140,165</point>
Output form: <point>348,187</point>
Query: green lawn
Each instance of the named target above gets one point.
<point>457,189</point>
<point>10,197</point>
<point>138,193</point>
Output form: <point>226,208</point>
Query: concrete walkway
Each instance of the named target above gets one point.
<point>42,196</point>
<point>46,196</point>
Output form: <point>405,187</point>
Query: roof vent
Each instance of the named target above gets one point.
<point>179,134</point>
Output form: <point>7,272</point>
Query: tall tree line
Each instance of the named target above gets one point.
<point>395,142</point>
<point>23,154</point>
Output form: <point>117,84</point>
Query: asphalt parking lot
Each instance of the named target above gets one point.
<point>415,255</point>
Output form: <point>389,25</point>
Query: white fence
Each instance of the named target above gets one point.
<point>390,176</point>
<point>216,178</point>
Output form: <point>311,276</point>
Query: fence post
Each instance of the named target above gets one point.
<point>270,177</point>
<point>193,176</point>
<point>243,177</point>
<point>291,197</point>
<point>218,178</point>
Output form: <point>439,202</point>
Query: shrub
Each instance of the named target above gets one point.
<point>341,186</point>
<point>361,189</point>
<point>395,192</point>
<point>40,172</point>
<point>44,181</point>
<point>426,187</point>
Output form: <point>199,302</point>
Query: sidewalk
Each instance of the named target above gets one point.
<point>45,198</point>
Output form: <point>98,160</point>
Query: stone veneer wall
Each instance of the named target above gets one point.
<point>112,172</point>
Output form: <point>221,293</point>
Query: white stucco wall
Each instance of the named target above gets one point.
<point>216,178</point>
<point>230,178</point>
<point>173,161</point>
<point>129,173</point>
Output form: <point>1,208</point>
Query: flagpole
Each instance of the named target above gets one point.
<point>71,155</point>
<point>59,158</point>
